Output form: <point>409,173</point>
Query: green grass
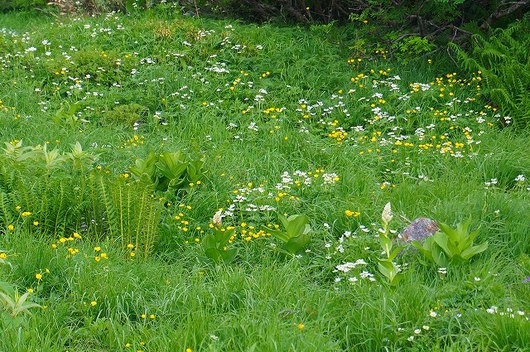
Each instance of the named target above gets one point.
<point>350,136</point>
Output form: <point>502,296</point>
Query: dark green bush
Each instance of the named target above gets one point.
<point>9,5</point>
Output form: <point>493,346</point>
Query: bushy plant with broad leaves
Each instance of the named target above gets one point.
<point>169,172</point>
<point>451,246</point>
<point>296,233</point>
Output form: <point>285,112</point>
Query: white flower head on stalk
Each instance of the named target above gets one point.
<point>217,219</point>
<point>387,216</point>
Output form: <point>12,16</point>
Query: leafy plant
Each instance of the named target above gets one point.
<point>13,303</point>
<point>81,160</point>
<point>68,115</point>
<point>127,114</point>
<point>412,48</point>
<point>75,196</point>
<point>215,244</point>
<point>169,172</point>
<point>386,266</point>
<point>503,60</point>
<point>451,246</point>
<point>123,210</point>
<point>296,234</point>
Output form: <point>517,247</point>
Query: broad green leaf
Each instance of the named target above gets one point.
<point>172,165</point>
<point>7,300</point>
<point>229,255</point>
<point>296,244</point>
<point>282,236</point>
<point>223,237</point>
<point>283,220</point>
<point>384,270</point>
<point>296,225</point>
<point>194,170</point>
<point>451,233</point>
<point>438,256</point>
<point>471,251</point>
<point>214,254</point>
<point>209,241</point>
<point>395,252</point>
<point>396,279</point>
<point>442,241</point>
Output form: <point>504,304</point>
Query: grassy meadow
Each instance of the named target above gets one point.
<point>148,162</point>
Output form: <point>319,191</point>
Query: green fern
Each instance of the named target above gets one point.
<point>6,212</point>
<point>504,61</point>
<point>73,196</point>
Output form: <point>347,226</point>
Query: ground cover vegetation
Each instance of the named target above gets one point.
<point>172,182</point>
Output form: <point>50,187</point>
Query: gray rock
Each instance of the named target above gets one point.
<point>419,229</point>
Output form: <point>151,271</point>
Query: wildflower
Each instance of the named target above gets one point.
<point>492,310</point>
<point>301,326</point>
<point>350,213</point>
<point>387,216</point>
<point>217,219</point>
<point>93,303</point>
<point>151,316</point>
<point>433,314</point>
<point>10,227</point>
<point>38,276</point>
<point>26,213</point>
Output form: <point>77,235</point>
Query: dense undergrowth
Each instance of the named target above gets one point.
<point>141,149</point>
